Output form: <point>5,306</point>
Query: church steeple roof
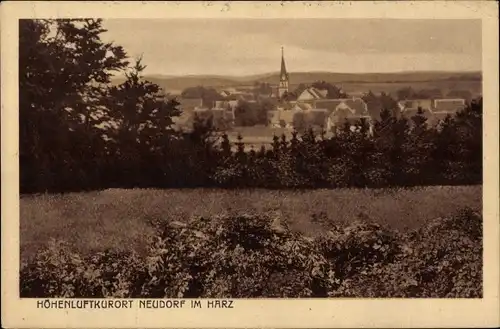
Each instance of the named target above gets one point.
<point>283,73</point>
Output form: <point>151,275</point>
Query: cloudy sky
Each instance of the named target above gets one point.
<point>253,46</point>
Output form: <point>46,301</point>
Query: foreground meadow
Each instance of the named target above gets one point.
<point>121,219</point>
<point>423,242</point>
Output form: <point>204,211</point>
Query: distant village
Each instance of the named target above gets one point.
<point>315,106</point>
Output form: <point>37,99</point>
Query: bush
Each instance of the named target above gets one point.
<point>59,272</point>
<point>441,260</point>
<point>250,256</point>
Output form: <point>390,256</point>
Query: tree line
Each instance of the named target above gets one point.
<point>79,131</point>
<point>399,153</point>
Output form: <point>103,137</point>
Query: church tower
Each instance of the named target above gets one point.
<point>284,79</point>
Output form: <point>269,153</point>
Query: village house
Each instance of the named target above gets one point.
<point>414,104</point>
<point>449,105</point>
<point>342,111</point>
<point>446,107</point>
<point>312,93</point>
<point>327,114</point>
<point>410,108</point>
<point>434,110</point>
<point>313,110</point>
<point>225,93</point>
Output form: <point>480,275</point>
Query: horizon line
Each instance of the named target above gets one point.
<point>302,72</point>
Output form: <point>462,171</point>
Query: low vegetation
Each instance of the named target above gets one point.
<point>120,219</point>
<point>251,256</point>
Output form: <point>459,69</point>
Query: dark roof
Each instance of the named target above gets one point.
<point>357,106</point>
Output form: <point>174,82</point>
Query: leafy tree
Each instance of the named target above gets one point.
<point>244,114</point>
<point>141,113</point>
<point>469,138</point>
<point>418,148</point>
<point>390,134</point>
<point>264,106</point>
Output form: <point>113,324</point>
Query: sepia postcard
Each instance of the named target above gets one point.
<point>250,164</point>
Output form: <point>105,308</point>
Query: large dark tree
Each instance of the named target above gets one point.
<point>142,114</point>
<point>143,127</point>
<point>64,68</point>
<point>74,125</point>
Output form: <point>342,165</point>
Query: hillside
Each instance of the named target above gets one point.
<point>309,77</point>
<point>171,83</point>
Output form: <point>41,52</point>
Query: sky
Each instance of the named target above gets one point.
<point>238,47</point>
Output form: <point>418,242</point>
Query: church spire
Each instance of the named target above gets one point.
<point>283,84</point>
<point>283,74</point>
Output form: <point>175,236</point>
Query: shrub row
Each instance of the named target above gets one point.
<point>252,256</point>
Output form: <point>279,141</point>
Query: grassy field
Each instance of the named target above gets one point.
<point>119,219</point>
